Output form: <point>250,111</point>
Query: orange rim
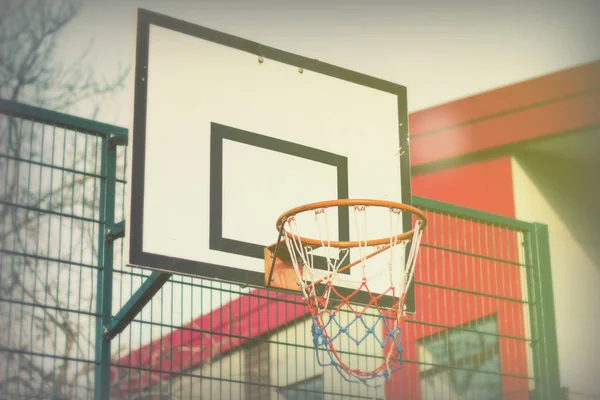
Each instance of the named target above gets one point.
<point>352,202</point>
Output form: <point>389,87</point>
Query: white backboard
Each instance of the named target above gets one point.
<point>228,134</point>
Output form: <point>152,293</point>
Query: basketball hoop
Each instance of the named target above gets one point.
<point>385,272</point>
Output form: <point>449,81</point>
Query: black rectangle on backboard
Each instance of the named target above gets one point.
<point>221,133</point>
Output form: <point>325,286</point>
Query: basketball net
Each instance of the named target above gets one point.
<point>337,322</point>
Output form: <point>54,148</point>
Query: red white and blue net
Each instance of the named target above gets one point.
<point>344,327</point>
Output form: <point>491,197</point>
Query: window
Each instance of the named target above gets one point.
<point>462,363</point>
<point>309,389</point>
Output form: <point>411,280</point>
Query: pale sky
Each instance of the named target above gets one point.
<point>440,50</point>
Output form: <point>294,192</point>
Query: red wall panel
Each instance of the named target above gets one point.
<point>508,99</point>
<point>447,260</point>
<point>485,186</point>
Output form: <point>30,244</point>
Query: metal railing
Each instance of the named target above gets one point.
<point>80,324</point>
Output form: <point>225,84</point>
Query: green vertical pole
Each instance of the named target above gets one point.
<point>100,275</point>
<point>545,313</point>
<point>532,263</point>
<point>105,272</point>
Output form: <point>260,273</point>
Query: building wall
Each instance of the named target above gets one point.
<point>565,197</point>
<point>484,185</point>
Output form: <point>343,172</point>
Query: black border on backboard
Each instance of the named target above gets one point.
<point>220,133</point>
<point>137,256</point>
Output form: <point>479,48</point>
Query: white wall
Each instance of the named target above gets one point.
<point>230,368</point>
<point>293,360</point>
<point>563,196</point>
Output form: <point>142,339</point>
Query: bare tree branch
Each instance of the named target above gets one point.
<point>31,72</point>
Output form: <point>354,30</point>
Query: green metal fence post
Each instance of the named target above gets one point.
<point>105,272</point>
<point>544,307</point>
<point>531,260</point>
<point>543,324</point>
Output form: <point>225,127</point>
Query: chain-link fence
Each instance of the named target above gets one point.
<point>80,324</point>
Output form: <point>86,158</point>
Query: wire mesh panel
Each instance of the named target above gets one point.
<point>80,324</point>
<point>470,336</point>
<point>248,344</point>
<point>50,220</point>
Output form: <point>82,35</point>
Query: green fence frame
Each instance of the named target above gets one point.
<point>109,322</point>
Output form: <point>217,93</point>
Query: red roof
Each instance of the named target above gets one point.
<point>206,337</point>
<point>552,104</point>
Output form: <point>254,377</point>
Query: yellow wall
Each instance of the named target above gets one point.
<point>564,197</point>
